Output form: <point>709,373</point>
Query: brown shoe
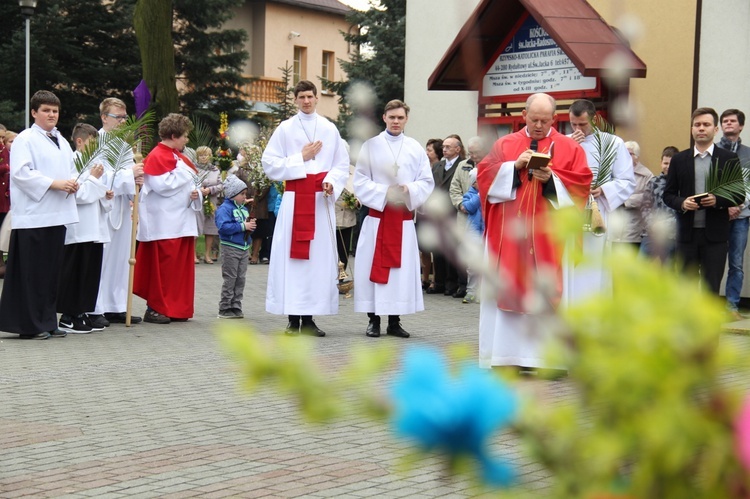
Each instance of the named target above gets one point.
<point>155,317</point>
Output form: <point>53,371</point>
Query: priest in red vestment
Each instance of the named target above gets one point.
<point>164,270</point>
<point>516,203</point>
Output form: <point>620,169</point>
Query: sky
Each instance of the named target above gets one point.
<point>357,4</point>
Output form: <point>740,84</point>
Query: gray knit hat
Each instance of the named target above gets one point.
<point>233,186</point>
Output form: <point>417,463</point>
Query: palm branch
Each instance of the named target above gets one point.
<point>201,134</point>
<point>116,146</point>
<point>87,156</point>
<point>733,183</point>
<point>605,150</point>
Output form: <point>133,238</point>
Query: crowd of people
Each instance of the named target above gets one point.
<point>71,238</point>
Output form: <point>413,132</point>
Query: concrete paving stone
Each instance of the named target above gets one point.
<point>174,488</point>
<point>171,394</point>
<point>218,494</point>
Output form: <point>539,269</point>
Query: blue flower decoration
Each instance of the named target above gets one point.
<point>452,415</point>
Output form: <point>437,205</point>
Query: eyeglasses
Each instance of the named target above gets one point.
<point>119,117</point>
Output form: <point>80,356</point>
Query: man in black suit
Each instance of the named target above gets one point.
<point>446,276</point>
<point>702,224</point>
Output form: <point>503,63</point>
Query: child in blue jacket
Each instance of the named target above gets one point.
<point>475,224</point>
<point>234,229</point>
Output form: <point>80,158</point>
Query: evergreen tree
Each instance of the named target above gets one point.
<point>82,51</point>
<point>87,51</point>
<point>209,59</point>
<point>382,31</point>
<point>285,106</point>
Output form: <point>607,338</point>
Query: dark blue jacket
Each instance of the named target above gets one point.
<point>230,220</point>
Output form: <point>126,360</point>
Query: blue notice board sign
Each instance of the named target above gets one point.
<point>533,62</point>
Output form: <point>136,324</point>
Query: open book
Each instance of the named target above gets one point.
<point>538,160</point>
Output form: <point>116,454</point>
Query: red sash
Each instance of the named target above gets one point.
<point>303,221</point>
<point>387,254</point>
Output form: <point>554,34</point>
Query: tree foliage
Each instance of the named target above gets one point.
<point>382,32</point>
<point>209,60</point>
<point>87,51</point>
<point>82,51</point>
<point>152,20</point>
<point>284,107</point>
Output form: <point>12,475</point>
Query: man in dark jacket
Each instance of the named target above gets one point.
<point>702,220</point>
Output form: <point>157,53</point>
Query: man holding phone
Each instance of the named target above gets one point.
<point>702,222</point>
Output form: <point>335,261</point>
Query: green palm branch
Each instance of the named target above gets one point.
<point>605,150</point>
<point>117,145</point>
<point>87,156</point>
<point>733,183</point>
<point>201,134</point>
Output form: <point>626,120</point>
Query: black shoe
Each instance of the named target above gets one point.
<point>57,334</point>
<point>373,330</point>
<point>76,325</point>
<point>396,330</point>
<point>435,290</point>
<point>97,322</point>
<point>449,292</point>
<point>119,318</point>
<point>292,329</point>
<point>37,336</point>
<point>311,329</point>
<point>460,292</point>
<point>155,317</point>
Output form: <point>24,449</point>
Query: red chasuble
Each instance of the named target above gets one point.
<point>517,231</point>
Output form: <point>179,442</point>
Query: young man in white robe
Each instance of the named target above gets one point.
<point>41,206</point>
<point>392,178</point>
<point>112,300</point>
<point>306,152</point>
<point>589,277</point>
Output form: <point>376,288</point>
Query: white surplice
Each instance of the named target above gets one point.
<point>373,176</point>
<point>512,338</point>
<point>113,287</point>
<point>296,286</point>
<point>589,277</point>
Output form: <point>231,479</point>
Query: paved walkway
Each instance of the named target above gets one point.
<point>155,411</point>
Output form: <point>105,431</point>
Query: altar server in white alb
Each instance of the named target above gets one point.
<point>589,277</point>
<point>84,242</point>
<point>305,151</point>
<point>167,228</point>
<point>40,163</point>
<point>392,178</point>
<point>112,299</point>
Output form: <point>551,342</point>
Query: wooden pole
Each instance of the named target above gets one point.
<point>131,273</point>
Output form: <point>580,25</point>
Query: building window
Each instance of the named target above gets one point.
<point>300,64</point>
<point>326,70</point>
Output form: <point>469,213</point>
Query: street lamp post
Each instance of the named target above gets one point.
<point>27,10</point>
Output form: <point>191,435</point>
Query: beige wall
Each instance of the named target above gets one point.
<point>318,32</point>
<point>268,26</point>
<point>662,101</point>
<point>431,26</point>
<point>724,64</point>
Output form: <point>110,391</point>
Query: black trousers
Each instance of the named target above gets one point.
<point>704,258</point>
<point>446,274</point>
<point>28,304</point>
<point>79,278</point>
<point>344,244</point>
